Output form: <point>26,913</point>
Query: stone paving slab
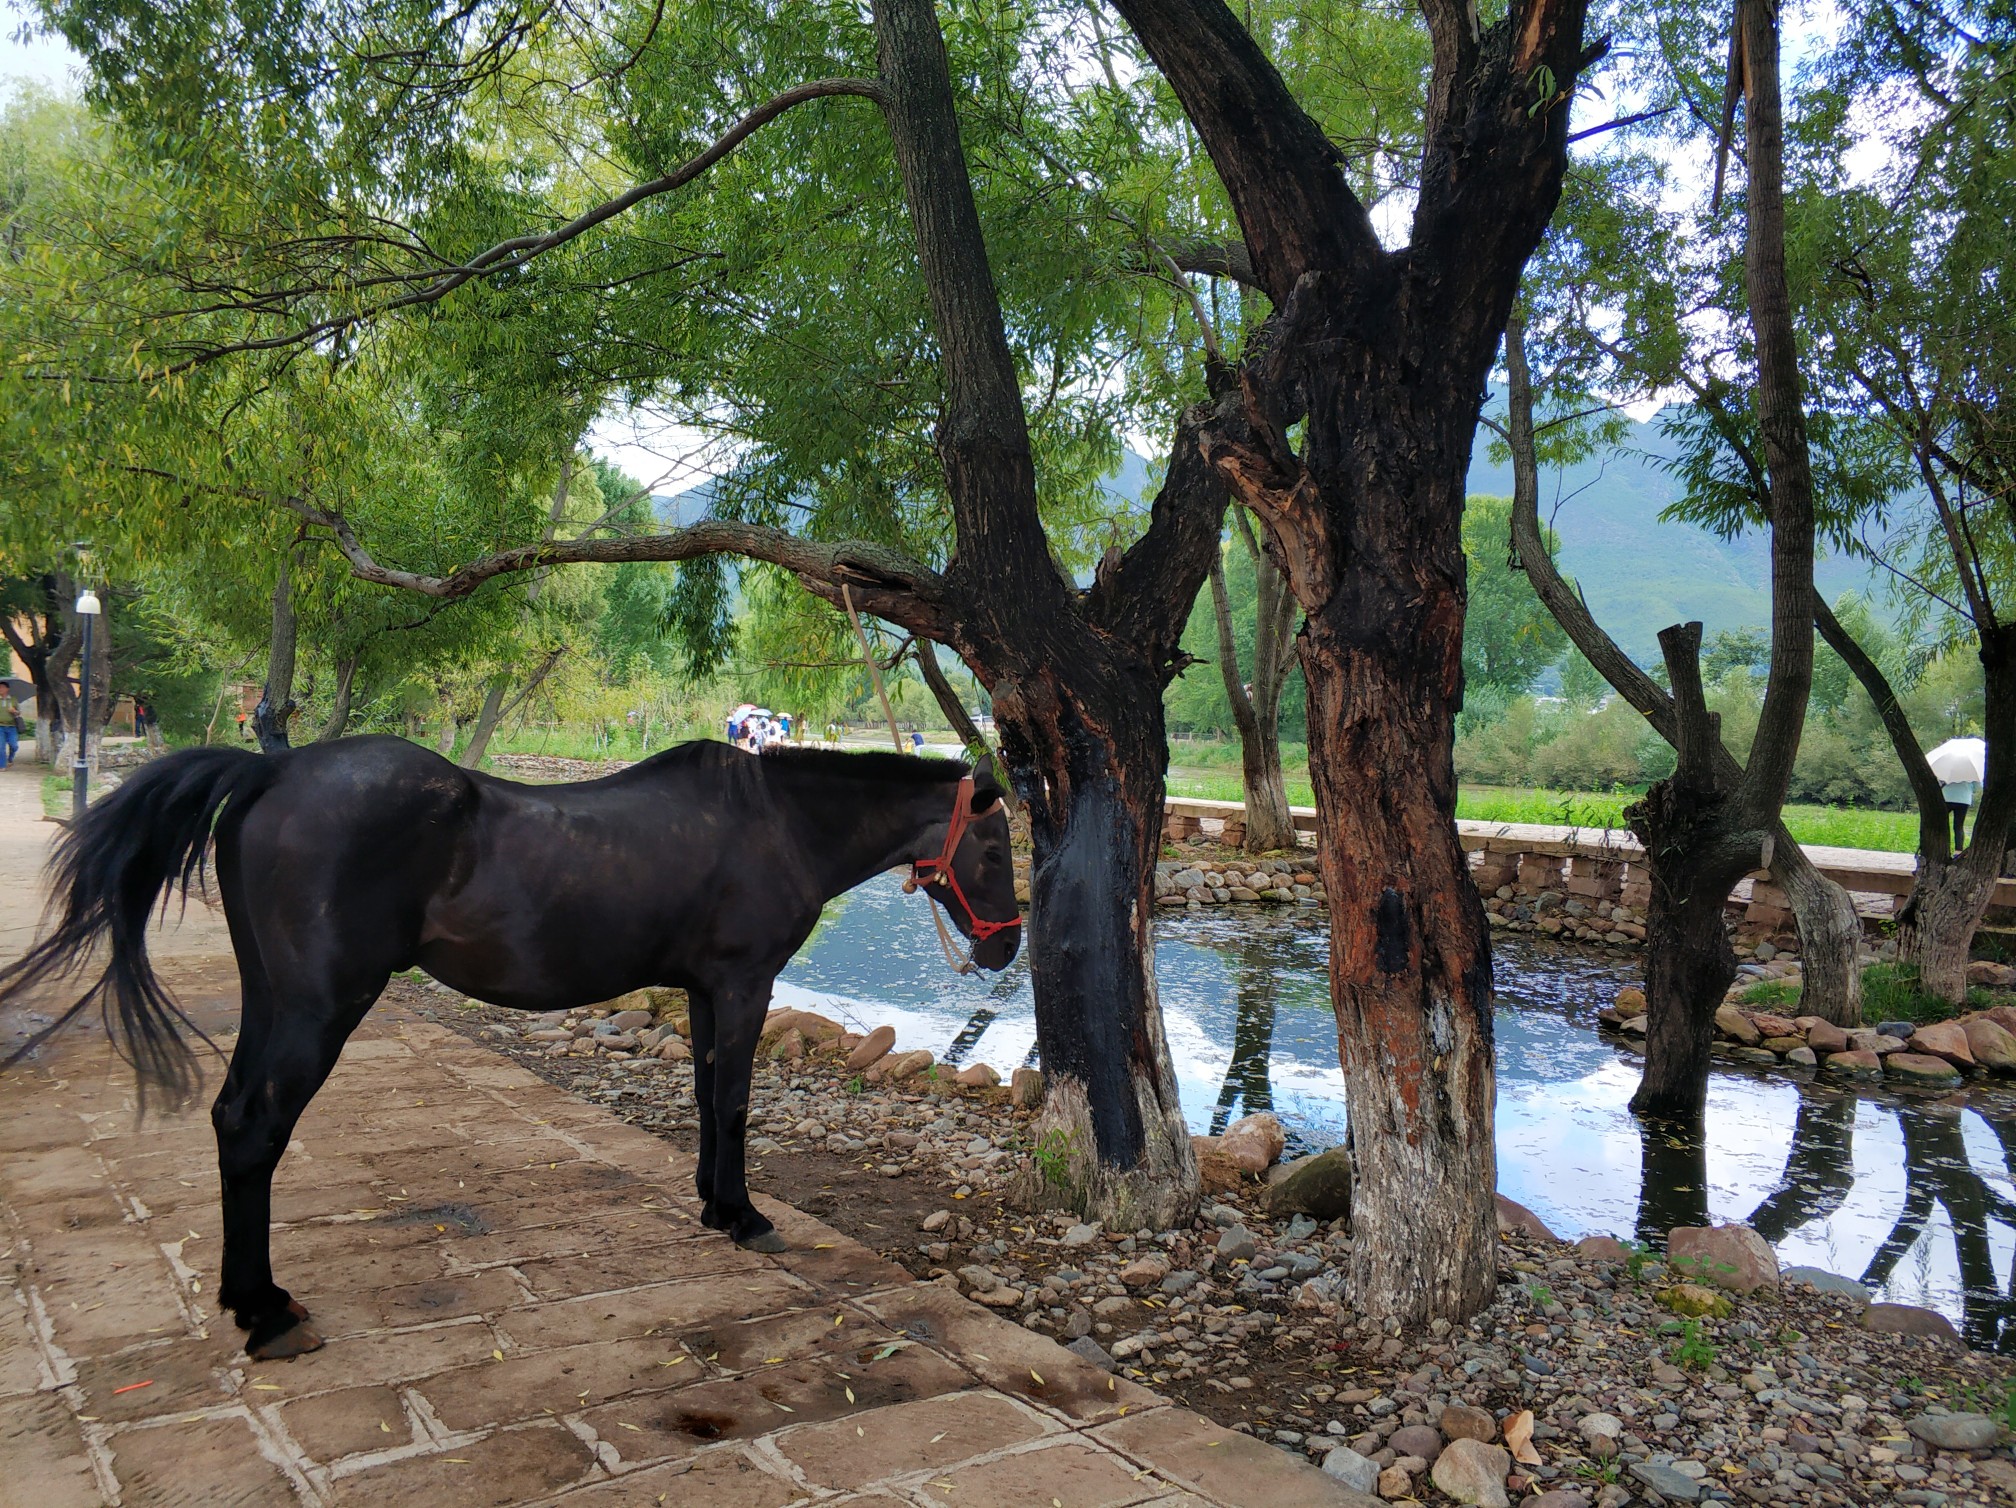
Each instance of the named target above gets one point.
<point>522,1309</point>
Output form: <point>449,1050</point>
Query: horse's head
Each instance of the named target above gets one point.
<point>983,867</point>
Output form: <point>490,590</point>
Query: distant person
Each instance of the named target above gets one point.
<point>916,742</point>
<point>784,725</point>
<point>244,732</point>
<point>10,727</point>
<point>1960,796</point>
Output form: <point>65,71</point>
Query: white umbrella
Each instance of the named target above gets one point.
<point>1960,759</point>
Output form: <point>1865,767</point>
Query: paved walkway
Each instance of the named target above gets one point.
<point>521,1308</point>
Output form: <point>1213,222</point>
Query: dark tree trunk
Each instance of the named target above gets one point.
<point>1076,682</point>
<point>1819,1169</point>
<point>270,719</point>
<point>1383,357</point>
<point>1256,714</point>
<point>339,708</point>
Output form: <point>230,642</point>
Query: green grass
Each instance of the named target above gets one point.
<point>1829,826</point>
<point>56,796</point>
<point>1889,993</point>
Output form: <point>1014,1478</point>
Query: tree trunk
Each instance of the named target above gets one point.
<point>276,707</point>
<point>1256,716</point>
<point>339,709</point>
<point>1689,962</point>
<point>958,719</point>
<point>1830,935</point>
<point>1092,781</point>
<point>496,708</point>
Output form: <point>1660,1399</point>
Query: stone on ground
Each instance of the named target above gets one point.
<point>1253,1143</point>
<point>1352,1469</point>
<point>1943,1039</point>
<point>1472,1472</point>
<point>1920,1069</point>
<point>1462,1422</point>
<point>1515,1218</point>
<point>1909,1319</point>
<point>1318,1186</point>
<point>1955,1431</point>
<point>873,1048</point>
<point>1729,1256</point>
<point>1993,1045</point>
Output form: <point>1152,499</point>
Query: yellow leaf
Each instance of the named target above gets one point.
<point>850,1394</point>
<point>1037,1375</point>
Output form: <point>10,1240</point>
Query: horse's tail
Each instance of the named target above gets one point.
<point>106,876</point>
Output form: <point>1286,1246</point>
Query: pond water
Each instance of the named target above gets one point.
<point>1913,1196</point>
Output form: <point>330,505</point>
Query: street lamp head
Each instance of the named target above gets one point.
<point>87,603</point>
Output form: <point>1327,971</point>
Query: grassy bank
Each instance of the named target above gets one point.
<point>1890,992</point>
<point>1837,827</point>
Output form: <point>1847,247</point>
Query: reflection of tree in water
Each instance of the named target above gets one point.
<point>1256,970</point>
<point>1937,1172</point>
<point>1673,1182</point>
<point>1819,1169</point>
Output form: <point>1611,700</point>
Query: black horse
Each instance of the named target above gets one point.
<point>703,868</point>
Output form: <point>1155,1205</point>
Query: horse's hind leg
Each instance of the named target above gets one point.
<point>287,1044</point>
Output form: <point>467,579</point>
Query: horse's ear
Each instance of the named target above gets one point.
<point>986,786</point>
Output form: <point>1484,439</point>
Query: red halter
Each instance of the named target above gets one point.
<point>939,871</point>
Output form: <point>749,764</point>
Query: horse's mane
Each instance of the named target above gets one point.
<point>885,766</point>
<point>868,764</point>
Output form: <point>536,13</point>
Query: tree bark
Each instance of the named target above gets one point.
<point>959,719</point>
<point>339,708</point>
<point>1257,715</point>
<point>270,719</point>
<point>496,708</point>
<point>1383,357</point>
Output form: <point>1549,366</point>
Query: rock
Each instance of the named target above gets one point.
<point>937,1220</point>
<point>1603,1249</point>
<point>1090,1350</point>
<point>1318,1186</point>
<point>673,1050</point>
<point>1901,1030</point>
<point>1080,1235</point>
<point>1025,1088</point>
<point>1667,1482</point>
<point>1992,975</point>
<point>1594,1427</point>
<point>1993,1046</point>
<point>1461,1422</point>
<point>1253,1143</point>
<point>1352,1469</point>
<point>1909,1319</point>
<point>1783,1045</point>
<point>980,1279</point>
<point>1515,1217</point>
<point>631,1021</point>
<point>1824,1281</point>
<point>2003,1016</point>
<point>1955,1431</point>
<point>1472,1472</point>
<point>790,1047</point>
<point>1921,1068</point>
<point>1216,1172</point>
<point>1877,1042</point>
<point>1943,1039</point>
<point>1729,1256</point>
<point>1394,1483</point>
<point>1772,1025</point>
<point>1801,1057</point>
<point>1823,1037</point>
<point>979,1076</point>
<point>873,1049</point>
<point>1236,1244</point>
<point>1738,1027</point>
<point>1557,1497</point>
<point>1695,1301</point>
<point>1423,1440</point>
<point>1630,1002</point>
<point>1854,1064</point>
<point>909,1064</point>
<point>1145,1271</point>
<point>1000,1298</point>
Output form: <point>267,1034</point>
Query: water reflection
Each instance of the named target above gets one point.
<point>1914,1196</point>
<point>1247,1085</point>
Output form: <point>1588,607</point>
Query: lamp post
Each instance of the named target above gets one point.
<point>80,769</point>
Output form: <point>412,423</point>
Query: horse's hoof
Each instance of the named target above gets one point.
<point>769,1243</point>
<point>296,1340</point>
<point>299,1310</point>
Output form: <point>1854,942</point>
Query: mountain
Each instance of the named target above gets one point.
<point>1639,573</point>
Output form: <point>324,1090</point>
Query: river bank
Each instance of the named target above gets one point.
<point>1785,1398</point>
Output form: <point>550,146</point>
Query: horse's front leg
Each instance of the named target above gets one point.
<point>700,1018</point>
<point>730,1058</point>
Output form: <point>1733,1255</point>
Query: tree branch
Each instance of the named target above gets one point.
<point>1934,840</point>
<point>515,252</point>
